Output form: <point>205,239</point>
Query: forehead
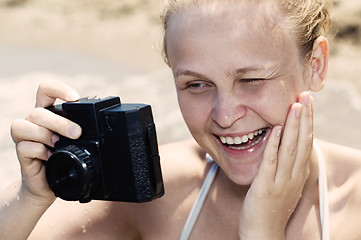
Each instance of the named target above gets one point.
<point>232,16</point>
<point>252,25</point>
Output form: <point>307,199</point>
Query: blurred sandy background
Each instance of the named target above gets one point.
<point>105,47</point>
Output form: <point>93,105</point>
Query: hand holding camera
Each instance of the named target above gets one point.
<point>40,130</point>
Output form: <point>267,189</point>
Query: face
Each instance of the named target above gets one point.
<point>237,70</point>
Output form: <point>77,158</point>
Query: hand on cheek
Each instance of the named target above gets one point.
<point>278,186</point>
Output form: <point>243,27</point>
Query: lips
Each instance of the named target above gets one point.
<point>244,142</point>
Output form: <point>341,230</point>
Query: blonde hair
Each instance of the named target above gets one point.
<point>310,18</point>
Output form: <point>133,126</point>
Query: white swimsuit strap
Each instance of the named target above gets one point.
<point>323,193</point>
<point>193,215</point>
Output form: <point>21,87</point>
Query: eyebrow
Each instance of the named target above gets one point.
<point>243,70</point>
<point>181,72</point>
<point>252,69</point>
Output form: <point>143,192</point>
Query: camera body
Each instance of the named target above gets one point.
<point>116,158</point>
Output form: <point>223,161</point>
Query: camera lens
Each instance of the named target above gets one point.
<point>70,173</point>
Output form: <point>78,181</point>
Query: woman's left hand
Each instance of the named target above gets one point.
<point>278,186</point>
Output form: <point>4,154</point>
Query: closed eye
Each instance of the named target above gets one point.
<point>252,80</point>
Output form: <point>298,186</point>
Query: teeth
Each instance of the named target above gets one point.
<point>229,140</point>
<point>241,139</point>
<point>238,140</point>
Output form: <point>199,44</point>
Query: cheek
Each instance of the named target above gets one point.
<point>196,112</point>
<point>275,103</point>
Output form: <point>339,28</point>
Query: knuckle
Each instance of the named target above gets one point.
<point>272,160</point>
<point>34,114</point>
<point>15,126</point>
<point>292,151</point>
<point>31,150</point>
<point>21,148</point>
<point>43,87</point>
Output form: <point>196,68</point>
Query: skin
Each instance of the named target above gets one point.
<point>274,185</point>
<point>219,78</point>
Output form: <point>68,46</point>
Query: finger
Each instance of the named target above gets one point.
<point>54,122</point>
<point>31,155</point>
<point>288,149</point>
<point>305,139</point>
<point>269,163</point>
<point>49,91</point>
<point>22,130</point>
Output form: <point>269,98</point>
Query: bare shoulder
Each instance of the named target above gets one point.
<point>179,158</point>
<point>343,166</point>
<point>343,163</point>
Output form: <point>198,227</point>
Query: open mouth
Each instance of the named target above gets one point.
<point>244,142</point>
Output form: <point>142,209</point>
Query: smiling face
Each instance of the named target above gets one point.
<point>237,70</point>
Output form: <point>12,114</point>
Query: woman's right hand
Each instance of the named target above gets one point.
<point>40,129</point>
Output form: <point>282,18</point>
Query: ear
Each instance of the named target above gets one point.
<point>319,63</point>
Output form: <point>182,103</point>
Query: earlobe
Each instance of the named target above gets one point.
<point>319,63</point>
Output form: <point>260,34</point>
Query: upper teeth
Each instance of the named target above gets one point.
<point>240,139</point>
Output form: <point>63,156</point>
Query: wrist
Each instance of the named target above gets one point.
<point>29,198</point>
<point>261,232</point>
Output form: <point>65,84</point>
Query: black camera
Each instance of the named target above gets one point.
<point>116,158</point>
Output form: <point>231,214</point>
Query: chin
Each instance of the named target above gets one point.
<point>242,174</point>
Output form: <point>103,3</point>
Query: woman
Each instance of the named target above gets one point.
<point>243,72</point>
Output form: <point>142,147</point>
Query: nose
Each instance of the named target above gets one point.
<point>227,110</point>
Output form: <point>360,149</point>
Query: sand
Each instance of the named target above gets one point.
<point>113,48</point>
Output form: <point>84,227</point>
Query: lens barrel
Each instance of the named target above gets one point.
<point>71,173</point>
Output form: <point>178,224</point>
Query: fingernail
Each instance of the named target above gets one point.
<point>278,131</point>
<point>298,109</point>
<point>72,95</point>
<point>54,139</point>
<point>74,131</point>
<point>306,100</point>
